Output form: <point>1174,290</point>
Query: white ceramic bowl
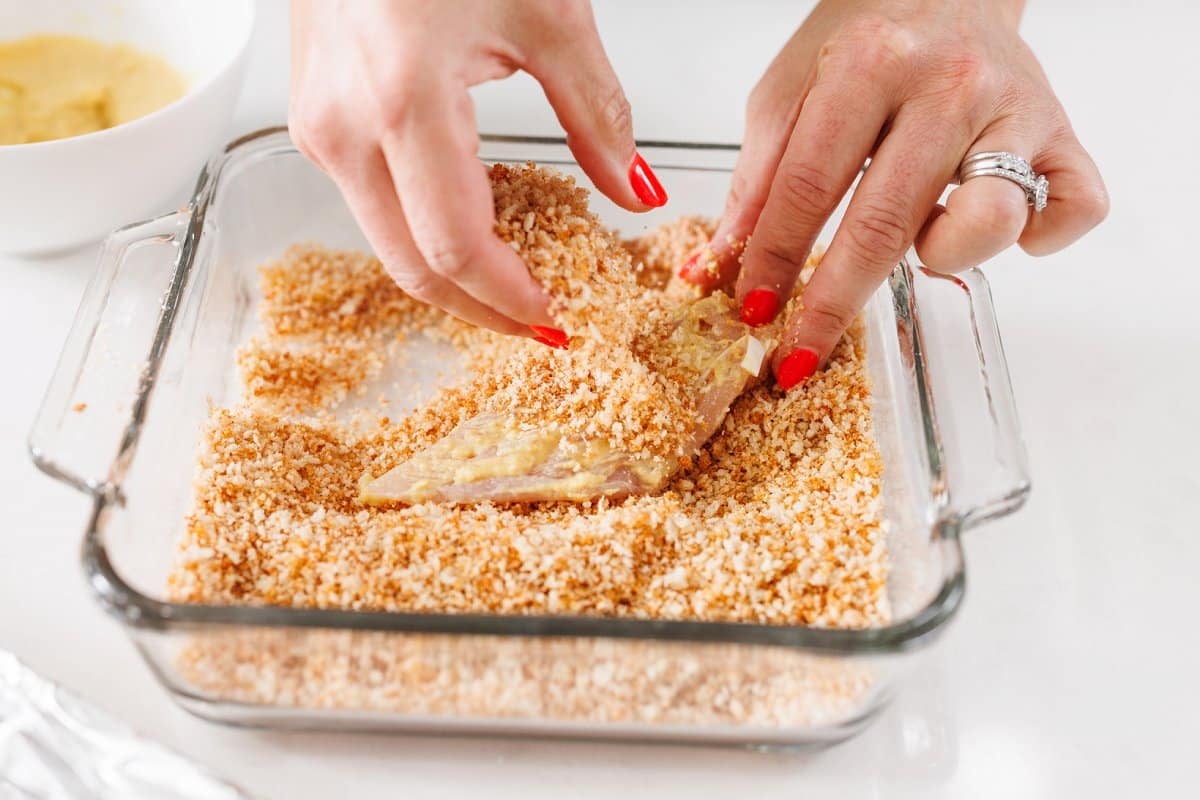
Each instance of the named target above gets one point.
<point>63,193</point>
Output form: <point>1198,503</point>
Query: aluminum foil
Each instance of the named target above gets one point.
<point>54,746</point>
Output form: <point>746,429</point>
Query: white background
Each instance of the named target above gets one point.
<point>1072,669</point>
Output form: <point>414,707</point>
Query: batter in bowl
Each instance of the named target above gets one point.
<point>54,87</point>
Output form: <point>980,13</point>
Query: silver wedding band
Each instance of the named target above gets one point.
<point>1011,167</point>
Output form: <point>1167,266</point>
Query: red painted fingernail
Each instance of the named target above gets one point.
<point>799,365</point>
<point>759,307</point>
<point>689,264</point>
<point>645,183</point>
<point>551,337</point>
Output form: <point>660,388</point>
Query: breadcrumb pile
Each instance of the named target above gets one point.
<point>616,381</point>
<point>575,680</point>
<point>589,276</point>
<point>666,250</point>
<point>776,520</point>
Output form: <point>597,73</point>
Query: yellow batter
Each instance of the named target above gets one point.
<point>52,87</point>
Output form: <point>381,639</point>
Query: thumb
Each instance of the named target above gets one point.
<point>590,104</point>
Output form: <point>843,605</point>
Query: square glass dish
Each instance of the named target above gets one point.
<point>154,344</point>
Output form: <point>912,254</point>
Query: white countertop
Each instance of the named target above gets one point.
<point>1070,672</point>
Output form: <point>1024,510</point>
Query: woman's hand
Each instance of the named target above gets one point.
<point>916,85</point>
<point>379,101</point>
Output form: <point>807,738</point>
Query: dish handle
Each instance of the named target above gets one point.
<point>984,462</point>
<point>104,375</point>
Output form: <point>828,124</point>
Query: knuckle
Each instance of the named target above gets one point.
<point>613,109</point>
<point>738,191</point>
<point>395,103</point>
<point>1004,220</point>
<point>972,83</point>
<point>760,102</point>
<point>1060,138</point>
<point>809,192</point>
<point>872,55</point>
<point>571,18</point>
<point>996,217</point>
<point>878,233</point>
<point>828,319</point>
<point>966,89</point>
<point>984,84</point>
<point>878,43</point>
<point>299,135</point>
<point>450,259</point>
<point>1094,203</point>
<point>395,86</point>
<point>1010,97</point>
<point>772,108</point>
<point>868,29</point>
<point>417,284</point>
<point>316,130</point>
<point>782,258</point>
<point>745,200</point>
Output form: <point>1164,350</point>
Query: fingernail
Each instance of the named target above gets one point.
<point>759,307</point>
<point>645,183</point>
<point>551,337</point>
<point>689,264</point>
<point>798,366</point>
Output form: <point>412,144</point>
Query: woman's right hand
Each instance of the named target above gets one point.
<point>379,101</point>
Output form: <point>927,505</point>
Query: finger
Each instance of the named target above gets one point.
<point>908,173</point>
<point>447,202</point>
<point>307,19</point>
<point>590,104</point>
<point>1078,200</point>
<point>838,126</point>
<point>771,115</point>
<point>368,189</point>
<point>981,218</point>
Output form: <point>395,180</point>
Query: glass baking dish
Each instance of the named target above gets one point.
<point>153,345</point>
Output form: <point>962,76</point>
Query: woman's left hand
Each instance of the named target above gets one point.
<point>917,86</point>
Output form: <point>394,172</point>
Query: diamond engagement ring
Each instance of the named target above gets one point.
<point>1011,167</point>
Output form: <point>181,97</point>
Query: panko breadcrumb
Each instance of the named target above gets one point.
<point>624,380</point>
<point>589,277</point>
<point>656,257</point>
<point>597,682</point>
<point>776,520</point>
